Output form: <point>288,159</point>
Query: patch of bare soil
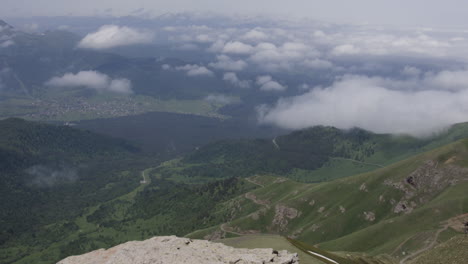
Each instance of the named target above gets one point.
<point>282,216</point>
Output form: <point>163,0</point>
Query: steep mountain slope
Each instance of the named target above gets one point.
<point>452,251</point>
<point>312,155</point>
<point>51,173</point>
<point>70,191</point>
<point>402,210</point>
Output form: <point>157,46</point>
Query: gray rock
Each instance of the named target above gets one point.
<point>171,249</point>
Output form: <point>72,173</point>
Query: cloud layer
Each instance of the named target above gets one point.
<point>398,80</point>
<point>110,36</point>
<point>231,77</point>
<point>375,104</point>
<point>92,80</point>
<point>266,83</point>
<point>194,70</point>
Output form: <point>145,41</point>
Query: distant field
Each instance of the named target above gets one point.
<point>75,107</point>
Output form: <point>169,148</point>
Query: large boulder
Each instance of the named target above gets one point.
<point>171,249</point>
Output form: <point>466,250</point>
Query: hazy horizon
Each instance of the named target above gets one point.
<point>430,13</point>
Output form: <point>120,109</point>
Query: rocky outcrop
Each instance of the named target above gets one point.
<point>171,249</point>
<point>282,214</point>
<point>425,183</point>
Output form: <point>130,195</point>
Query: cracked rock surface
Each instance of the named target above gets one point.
<point>172,249</point>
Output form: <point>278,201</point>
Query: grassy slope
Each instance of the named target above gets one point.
<point>268,241</point>
<point>313,155</point>
<point>87,236</point>
<point>333,214</point>
<point>167,208</point>
<point>453,251</point>
<point>38,207</point>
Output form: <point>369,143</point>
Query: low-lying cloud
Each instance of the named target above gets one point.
<point>226,63</point>
<point>194,70</point>
<point>374,104</point>
<point>255,35</point>
<point>92,80</point>
<point>110,36</point>
<point>231,77</point>
<point>237,47</point>
<point>266,83</point>
<point>6,43</point>
<point>45,176</point>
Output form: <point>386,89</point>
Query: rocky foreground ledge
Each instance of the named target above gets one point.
<point>172,249</point>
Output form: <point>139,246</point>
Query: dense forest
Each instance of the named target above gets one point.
<point>50,173</point>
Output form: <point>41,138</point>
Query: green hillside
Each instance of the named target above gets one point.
<point>49,174</point>
<point>452,251</point>
<point>399,211</point>
<point>69,191</point>
<point>313,155</point>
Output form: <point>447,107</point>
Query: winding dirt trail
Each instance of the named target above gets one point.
<point>223,228</point>
<point>276,144</point>
<point>431,245</point>
<point>253,182</point>
<point>145,177</point>
<point>357,161</point>
<point>252,197</point>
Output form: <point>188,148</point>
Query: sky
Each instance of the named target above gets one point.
<point>385,79</point>
<point>431,13</point>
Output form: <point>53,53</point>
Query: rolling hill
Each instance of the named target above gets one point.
<point>312,155</point>
<point>69,191</point>
<point>397,212</point>
<point>51,173</point>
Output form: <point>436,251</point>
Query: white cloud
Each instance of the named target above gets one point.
<point>110,36</point>
<point>195,70</point>
<point>7,43</point>
<point>204,38</point>
<point>200,71</point>
<point>380,43</point>
<point>317,64</point>
<point>345,49</point>
<point>232,78</point>
<point>288,56</point>
<point>373,104</point>
<point>450,80</point>
<point>272,86</point>
<point>187,46</point>
<point>120,86</point>
<point>237,47</point>
<point>255,35</point>
<point>226,63</point>
<point>92,80</point>
<point>304,87</point>
<point>217,46</point>
<point>267,84</point>
<point>261,80</point>
<point>411,71</point>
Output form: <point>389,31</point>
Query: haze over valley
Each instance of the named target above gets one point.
<point>340,136</point>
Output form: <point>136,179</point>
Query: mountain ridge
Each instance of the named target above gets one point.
<point>337,215</point>
<point>311,155</point>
